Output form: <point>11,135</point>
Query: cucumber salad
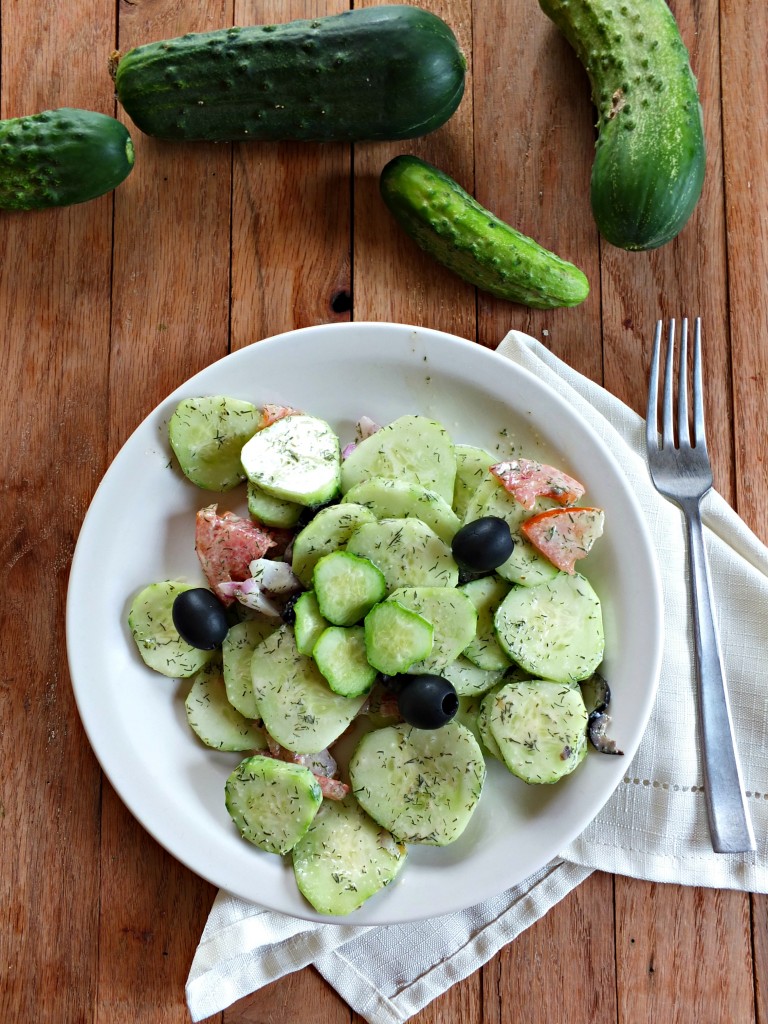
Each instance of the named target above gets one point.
<point>379,619</point>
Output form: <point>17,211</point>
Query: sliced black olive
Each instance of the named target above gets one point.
<point>596,693</point>
<point>597,723</point>
<point>200,618</point>
<point>483,544</point>
<point>427,701</point>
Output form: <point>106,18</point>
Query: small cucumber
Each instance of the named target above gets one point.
<point>649,160</point>
<point>273,803</point>
<point>207,435</point>
<point>61,157</point>
<point>452,227</point>
<point>380,72</point>
<point>344,858</point>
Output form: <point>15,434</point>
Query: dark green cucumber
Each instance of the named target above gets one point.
<point>649,161</point>
<point>60,157</point>
<point>389,72</point>
<point>465,237</point>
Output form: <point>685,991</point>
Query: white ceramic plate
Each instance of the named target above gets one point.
<point>140,529</point>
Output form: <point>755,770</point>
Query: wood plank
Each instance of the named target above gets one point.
<point>54,293</point>
<point>532,107</point>
<point>291,216</point>
<point>170,318</point>
<point>681,957</point>
<point>393,279</point>
<point>562,968</point>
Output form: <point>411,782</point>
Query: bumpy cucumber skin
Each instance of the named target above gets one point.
<point>458,232</point>
<point>648,172</point>
<point>61,157</point>
<point>390,72</point>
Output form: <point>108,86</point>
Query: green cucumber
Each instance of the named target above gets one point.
<point>309,622</point>
<point>207,435</point>
<point>453,619</point>
<point>328,531</point>
<point>396,637</point>
<point>458,232</point>
<point>650,154</point>
<point>213,719</point>
<point>296,458</point>
<point>407,552</point>
<point>386,72</point>
<point>339,653</point>
<point>398,499</point>
<point>61,157</point>
<point>150,620</point>
<point>347,587</point>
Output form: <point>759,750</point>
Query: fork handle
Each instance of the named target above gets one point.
<point>729,821</point>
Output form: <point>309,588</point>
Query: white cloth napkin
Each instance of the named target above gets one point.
<point>654,826</point>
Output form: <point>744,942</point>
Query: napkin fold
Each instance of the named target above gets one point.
<point>654,826</point>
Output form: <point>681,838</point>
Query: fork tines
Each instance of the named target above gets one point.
<point>681,436</point>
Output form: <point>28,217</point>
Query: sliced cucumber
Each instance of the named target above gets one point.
<point>345,858</point>
<point>213,719</point>
<point>472,465</point>
<point>469,709</point>
<point>298,708</point>
<point>486,594</point>
<point>396,637</point>
<point>296,458</point>
<point>487,739</point>
<point>150,620</point>
<point>540,728</point>
<point>309,622</point>
<point>401,499</point>
<point>273,803</point>
<point>207,436</point>
<point>453,618</point>
<point>347,587</point>
<point>340,655</point>
<point>420,785</point>
<point>328,531</point>
<point>271,511</point>
<point>412,448</point>
<point>236,652</point>
<point>555,630</point>
<point>525,565</point>
<point>407,552</point>
<point>469,680</point>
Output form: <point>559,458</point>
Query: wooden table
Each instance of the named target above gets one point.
<point>107,306</point>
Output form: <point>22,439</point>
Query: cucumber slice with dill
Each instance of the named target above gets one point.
<point>401,499</point>
<point>207,435</point>
<point>328,531</point>
<point>347,587</point>
<point>237,650</point>
<point>271,511</point>
<point>540,729</point>
<point>345,858</point>
<point>396,637</point>
<point>213,719</point>
<point>299,709</point>
<point>469,680</point>
<point>453,618</point>
<point>296,458</point>
<point>472,465</point>
<point>272,802</point>
<point>486,594</point>
<point>150,620</point>
<point>419,784</point>
<point>408,553</point>
<point>411,448</point>
<point>340,655</point>
<point>554,630</point>
<point>308,622</point>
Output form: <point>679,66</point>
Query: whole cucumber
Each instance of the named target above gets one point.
<point>60,157</point>
<point>458,232</point>
<point>650,154</point>
<point>390,72</point>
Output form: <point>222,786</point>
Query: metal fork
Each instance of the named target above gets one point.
<point>681,471</point>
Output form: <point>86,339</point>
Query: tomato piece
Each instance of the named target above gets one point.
<point>226,545</point>
<point>564,535</point>
<point>527,480</point>
<point>273,413</point>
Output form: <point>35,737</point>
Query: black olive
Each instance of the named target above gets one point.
<point>484,544</point>
<point>200,618</point>
<point>309,512</point>
<point>427,701</point>
<point>288,613</point>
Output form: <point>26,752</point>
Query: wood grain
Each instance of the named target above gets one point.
<point>109,305</point>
